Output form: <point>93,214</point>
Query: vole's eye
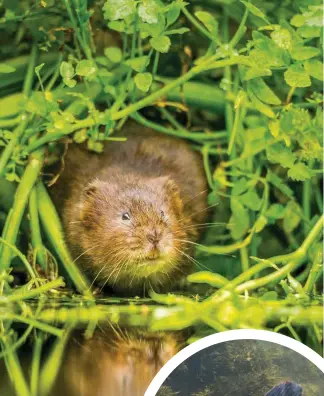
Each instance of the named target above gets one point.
<point>162,213</point>
<point>125,216</point>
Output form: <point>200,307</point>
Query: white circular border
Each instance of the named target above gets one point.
<point>262,335</point>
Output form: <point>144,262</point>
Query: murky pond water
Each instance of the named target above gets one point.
<point>84,349</point>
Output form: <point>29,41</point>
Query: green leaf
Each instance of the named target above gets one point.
<point>86,68</point>
<point>209,21</point>
<point>260,223</point>
<point>69,82</point>
<point>300,52</point>
<point>297,20</point>
<point>278,183</point>
<point>299,172</point>
<point>6,68</point>
<point>267,53</point>
<point>251,200</point>
<point>138,64</point>
<point>255,11</point>
<point>282,38</point>
<point>118,9</point>
<point>281,154</point>
<point>263,92</point>
<point>119,26</point>
<point>292,216</point>
<point>143,81</point>
<point>173,13</point>
<point>66,70</point>
<point>255,71</point>
<point>240,186</point>
<point>269,296</point>
<point>309,31</point>
<point>114,54</point>
<point>177,31</point>
<point>297,76</point>
<point>148,11</point>
<point>12,177</point>
<point>160,43</point>
<point>240,220</point>
<point>315,68</point>
<point>276,211</point>
<point>260,106</point>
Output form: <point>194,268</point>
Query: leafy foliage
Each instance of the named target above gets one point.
<point>241,80</point>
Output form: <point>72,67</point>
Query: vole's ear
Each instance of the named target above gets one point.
<point>167,183</point>
<point>91,189</point>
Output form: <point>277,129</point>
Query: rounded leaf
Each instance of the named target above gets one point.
<point>148,11</point>
<point>66,70</point>
<point>297,76</point>
<point>114,54</point>
<point>143,81</point>
<point>161,43</point>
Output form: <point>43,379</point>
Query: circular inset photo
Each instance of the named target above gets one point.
<point>242,363</point>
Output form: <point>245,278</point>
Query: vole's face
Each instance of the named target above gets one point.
<point>138,231</point>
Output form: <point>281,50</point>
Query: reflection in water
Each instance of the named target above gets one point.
<point>119,363</point>
<point>113,362</point>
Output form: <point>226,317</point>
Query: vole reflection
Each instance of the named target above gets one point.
<point>114,363</point>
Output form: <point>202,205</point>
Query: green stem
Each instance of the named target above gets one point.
<point>21,198</point>
<point>16,373</point>
<point>148,100</point>
<point>195,22</point>
<point>83,45</point>
<point>53,229</point>
<point>237,122</point>
<point>28,294</point>
<point>156,63</point>
<point>205,154</point>
<point>240,31</point>
<point>306,199</point>
<point>35,323</point>
<point>22,257</point>
<point>28,82</point>
<point>316,270</point>
<point>52,365</point>
<point>294,259</point>
<point>34,377</point>
<point>265,280</point>
<point>37,243</point>
<point>244,259</point>
<point>7,152</point>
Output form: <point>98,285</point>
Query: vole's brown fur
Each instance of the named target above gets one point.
<point>157,185</point>
<point>120,363</point>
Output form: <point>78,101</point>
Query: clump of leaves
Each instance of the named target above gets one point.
<point>188,70</point>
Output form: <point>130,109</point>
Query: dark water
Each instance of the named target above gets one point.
<point>123,362</point>
<point>114,362</point>
<point>243,368</point>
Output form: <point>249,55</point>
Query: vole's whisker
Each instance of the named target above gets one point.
<point>185,240</point>
<point>192,259</point>
<point>206,225</point>
<point>86,251</point>
<point>199,211</point>
<point>195,196</point>
<point>98,273</point>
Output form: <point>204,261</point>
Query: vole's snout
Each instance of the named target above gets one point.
<point>154,238</point>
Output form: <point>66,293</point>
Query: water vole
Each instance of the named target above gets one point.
<point>130,214</point>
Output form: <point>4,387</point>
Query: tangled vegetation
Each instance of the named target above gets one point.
<point>240,80</point>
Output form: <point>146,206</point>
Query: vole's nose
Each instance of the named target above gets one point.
<point>154,238</point>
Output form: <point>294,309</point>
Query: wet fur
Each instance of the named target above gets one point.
<point>145,175</point>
